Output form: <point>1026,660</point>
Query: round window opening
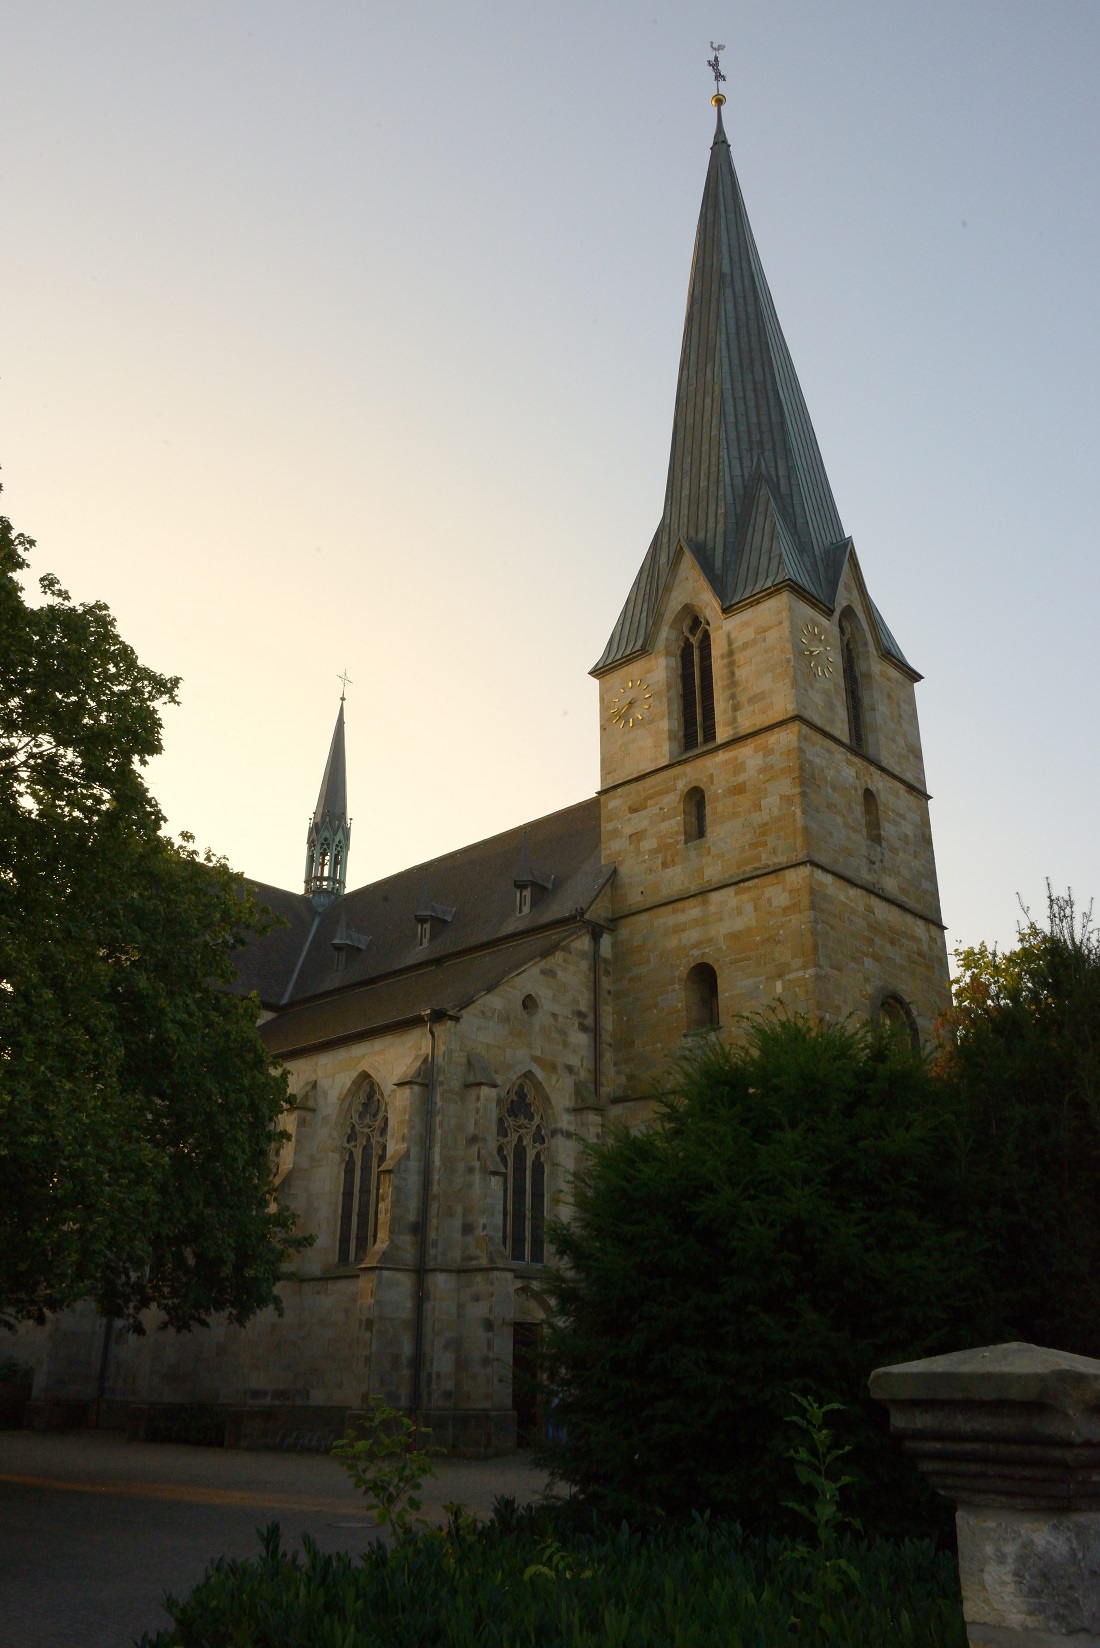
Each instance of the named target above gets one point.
<point>530,1005</point>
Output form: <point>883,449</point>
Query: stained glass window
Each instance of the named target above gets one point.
<point>523,1146</point>
<point>364,1151</point>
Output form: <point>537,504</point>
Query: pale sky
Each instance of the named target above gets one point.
<point>345,335</point>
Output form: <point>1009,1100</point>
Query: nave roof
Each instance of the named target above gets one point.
<point>393,974</point>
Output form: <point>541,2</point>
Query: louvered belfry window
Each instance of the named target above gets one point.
<point>853,689</point>
<point>697,685</point>
<point>364,1151</point>
<point>523,1146</point>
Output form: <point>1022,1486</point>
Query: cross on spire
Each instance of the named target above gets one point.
<point>346,681</point>
<point>715,67</point>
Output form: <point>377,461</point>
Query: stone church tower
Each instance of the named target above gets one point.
<point>762,788</point>
<point>457,1032</point>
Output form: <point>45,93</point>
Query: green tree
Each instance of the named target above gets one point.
<point>1024,1058</point>
<point>796,1216</point>
<point>138,1107</point>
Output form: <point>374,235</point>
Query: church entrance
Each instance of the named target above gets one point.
<point>526,1392</point>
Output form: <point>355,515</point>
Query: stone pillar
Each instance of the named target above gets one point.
<point>1011,1433</point>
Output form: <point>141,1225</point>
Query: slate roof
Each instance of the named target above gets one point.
<point>392,978</point>
<point>747,494</point>
<point>444,985</point>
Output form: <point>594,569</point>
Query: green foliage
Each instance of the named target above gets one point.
<point>686,1587</point>
<point>386,1460</point>
<point>138,1107</point>
<point>815,1460</point>
<point>796,1216</point>
<point>1025,1066</point>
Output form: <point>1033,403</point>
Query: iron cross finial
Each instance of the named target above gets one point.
<point>715,67</point>
<point>347,682</point>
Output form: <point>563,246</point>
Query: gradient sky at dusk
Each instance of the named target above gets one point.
<point>345,335</point>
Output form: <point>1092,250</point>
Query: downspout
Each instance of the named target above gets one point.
<point>596,932</point>
<point>425,1201</point>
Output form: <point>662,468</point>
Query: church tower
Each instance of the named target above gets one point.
<point>329,833</point>
<point>762,785</point>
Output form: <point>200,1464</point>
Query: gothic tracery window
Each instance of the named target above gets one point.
<point>523,1146</point>
<point>697,685</point>
<point>362,1154</point>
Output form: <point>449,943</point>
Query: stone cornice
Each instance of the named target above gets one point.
<point>758,732</point>
<point>777,870</point>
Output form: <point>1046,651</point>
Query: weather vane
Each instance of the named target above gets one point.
<point>347,682</point>
<point>715,67</point>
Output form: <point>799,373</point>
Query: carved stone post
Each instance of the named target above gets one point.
<point>1011,1433</point>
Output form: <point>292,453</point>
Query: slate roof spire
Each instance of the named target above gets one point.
<point>747,490</point>
<point>329,835</point>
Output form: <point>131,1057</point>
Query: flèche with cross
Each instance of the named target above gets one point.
<point>715,67</point>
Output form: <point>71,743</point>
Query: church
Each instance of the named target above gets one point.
<point>457,1033</point>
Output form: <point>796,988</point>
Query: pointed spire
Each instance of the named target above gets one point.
<point>329,835</point>
<point>740,427</point>
<point>332,797</point>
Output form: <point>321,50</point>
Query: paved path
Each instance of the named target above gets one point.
<point>95,1529</point>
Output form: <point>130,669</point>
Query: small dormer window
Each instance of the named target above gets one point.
<point>431,918</point>
<point>530,883</point>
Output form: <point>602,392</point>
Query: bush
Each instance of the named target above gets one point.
<point>524,1577</point>
<point>796,1217</point>
<point>1024,1064</point>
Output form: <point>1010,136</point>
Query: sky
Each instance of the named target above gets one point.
<point>344,335</point>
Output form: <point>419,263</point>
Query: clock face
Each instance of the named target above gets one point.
<point>632,703</point>
<point>817,651</point>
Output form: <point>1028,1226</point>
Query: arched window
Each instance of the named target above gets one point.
<point>702,997</point>
<point>872,823</point>
<point>322,861</point>
<point>363,1152</point>
<point>523,1145</point>
<point>337,863</point>
<point>697,685</point>
<point>897,1017</point>
<point>695,815</point>
<point>853,687</point>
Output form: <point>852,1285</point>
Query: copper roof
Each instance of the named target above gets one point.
<point>747,494</point>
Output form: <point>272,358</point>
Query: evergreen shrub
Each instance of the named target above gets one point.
<point>796,1216</point>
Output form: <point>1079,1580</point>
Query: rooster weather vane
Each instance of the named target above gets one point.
<point>715,67</point>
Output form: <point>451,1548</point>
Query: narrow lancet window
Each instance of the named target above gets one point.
<point>872,822</point>
<point>364,1152</point>
<point>702,997</point>
<point>697,685</point>
<point>853,689</point>
<point>695,815</point>
<point>523,1147</point>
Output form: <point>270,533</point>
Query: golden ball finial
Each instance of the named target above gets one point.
<point>717,100</point>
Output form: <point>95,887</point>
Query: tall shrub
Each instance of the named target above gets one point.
<point>1024,1062</point>
<point>796,1216</point>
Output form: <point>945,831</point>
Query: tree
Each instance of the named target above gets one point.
<point>796,1217</point>
<point>138,1107</point>
<point>1024,1058</point>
